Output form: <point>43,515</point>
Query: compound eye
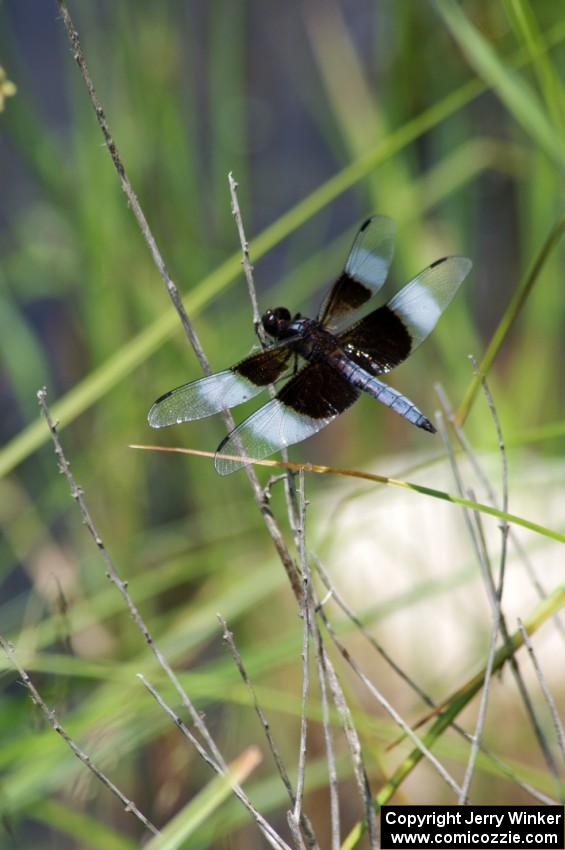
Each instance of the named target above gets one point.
<point>282,313</point>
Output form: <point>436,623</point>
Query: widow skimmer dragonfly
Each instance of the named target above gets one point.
<point>343,356</point>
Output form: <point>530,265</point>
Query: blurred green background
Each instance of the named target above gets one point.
<point>448,117</point>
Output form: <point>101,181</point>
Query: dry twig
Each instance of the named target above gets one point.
<point>559,731</point>
<point>269,833</point>
<point>37,699</point>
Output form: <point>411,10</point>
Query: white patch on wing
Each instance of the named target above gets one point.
<point>422,301</point>
<point>423,311</point>
<point>202,398</point>
<point>271,428</point>
<point>367,267</point>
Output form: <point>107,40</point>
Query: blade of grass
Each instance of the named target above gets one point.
<point>319,469</point>
<point>522,17</point>
<point>510,315</point>
<point>87,831</point>
<point>135,352</point>
<point>175,834</point>
<point>515,93</point>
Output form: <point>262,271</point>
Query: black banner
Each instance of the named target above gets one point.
<point>472,827</point>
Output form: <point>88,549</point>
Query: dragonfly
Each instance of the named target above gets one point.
<point>328,361</point>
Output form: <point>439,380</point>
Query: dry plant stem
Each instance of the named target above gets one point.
<point>272,527</point>
<point>246,262</point>
<point>269,833</point>
<point>295,831</point>
<point>479,545</point>
<point>128,804</point>
<point>228,638</point>
<point>483,478</point>
<point>481,716</point>
<point>353,742</point>
<point>332,593</point>
<point>559,731</point>
<point>290,490</point>
<point>305,612</point>
<point>328,739</point>
<point>113,575</point>
<point>127,188</point>
<point>381,699</point>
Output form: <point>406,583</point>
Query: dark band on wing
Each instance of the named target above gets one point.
<point>318,391</point>
<point>266,366</point>
<point>378,342</point>
<point>347,294</point>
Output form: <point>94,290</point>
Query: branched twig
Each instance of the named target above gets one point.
<point>128,190</point>
<point>228,638</point>
<point>290,489</point>
<point>272,837</point>
<point>353,742</point>
<point>560,732</point>
<point>128,804</point>
<point>119,583</point>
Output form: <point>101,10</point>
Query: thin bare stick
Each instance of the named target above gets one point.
<point>51,717</point>
<point>271,836</point>
<point>389,708</point>
<point>228,638</point>
<point>483,478</point>
<point>305,653</point>
<point>295,830</point>
<point>113,575</point>
<point>560,732</point>
<point>290,489</point>
<point>128,190</point>
<point>481,716</point>
<point>328,738</point>
<point>354,745</point>
<point>272,527</point>
<point>334,594</point>
<point>246,262</point>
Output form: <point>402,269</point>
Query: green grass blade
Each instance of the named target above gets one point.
<point>193,815</point>
<point>522,18</point>
<point>515,93</point>
<point>510,315</point>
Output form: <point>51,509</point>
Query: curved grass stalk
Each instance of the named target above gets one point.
<point>510,315</point>
<point>318,469</point>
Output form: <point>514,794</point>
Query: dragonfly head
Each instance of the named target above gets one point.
<point>276,322</point>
